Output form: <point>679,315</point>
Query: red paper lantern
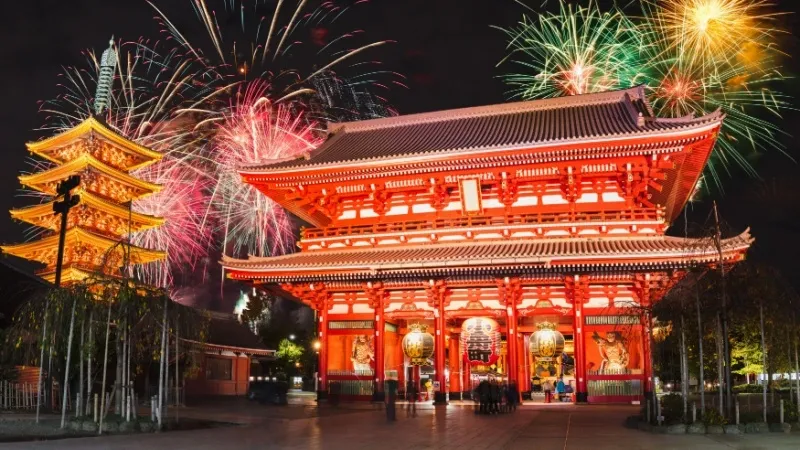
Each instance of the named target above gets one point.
<point>480,341</point>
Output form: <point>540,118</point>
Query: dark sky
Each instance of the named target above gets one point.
<point>445,48</point>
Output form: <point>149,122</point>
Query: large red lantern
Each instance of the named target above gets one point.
<point>480,341</point>
<point>547,343</point>
<point>418,345</point>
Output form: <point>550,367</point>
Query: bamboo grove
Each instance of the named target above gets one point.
<point>103,341</point>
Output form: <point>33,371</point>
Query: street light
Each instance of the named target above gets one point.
<point>317,345</point>
<point>291,337</point>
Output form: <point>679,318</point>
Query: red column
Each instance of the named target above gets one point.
<point>455,372</point>
<point>380,364</point>
<point>511,343</point>
<point>581,392</point>
<point>523,380</point>
<point>322,391</point>
<point>440,398</point>
<point>648,368</point>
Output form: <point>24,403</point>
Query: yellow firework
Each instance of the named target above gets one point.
<point>708,32</point>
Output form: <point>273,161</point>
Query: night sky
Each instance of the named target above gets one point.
<point>446,49</point>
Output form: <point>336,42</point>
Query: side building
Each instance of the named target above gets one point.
<point>527,237</point>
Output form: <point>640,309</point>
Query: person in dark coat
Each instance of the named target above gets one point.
<point>484,393</point>
<point>391,399</point>
<point>494,399</point>
<point>411,397</point>
<point>513,396</point>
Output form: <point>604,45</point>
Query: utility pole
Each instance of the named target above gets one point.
<point>723,315</point>
<point>62,207</point>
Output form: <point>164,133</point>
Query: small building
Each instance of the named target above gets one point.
<point>227,359</point>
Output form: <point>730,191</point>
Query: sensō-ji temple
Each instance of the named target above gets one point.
<point>521,237</point>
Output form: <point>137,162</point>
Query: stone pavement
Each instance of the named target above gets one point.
<point>533,427</point>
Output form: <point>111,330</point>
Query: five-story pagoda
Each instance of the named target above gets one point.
<point>102,219</point>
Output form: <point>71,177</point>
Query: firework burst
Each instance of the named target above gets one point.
<point>678,50</point>
<point>577,51</point>
<point>254,131</point>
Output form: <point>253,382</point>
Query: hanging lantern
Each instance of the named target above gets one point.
<point>547,343</point>
<point>480,341</point>
<point>418,345</point>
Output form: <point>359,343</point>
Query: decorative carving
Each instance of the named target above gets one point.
<point>509,290</point>
<point>380,200</point>
<point>440,195</point>
<point>507,189</point>
<point>376,294</point>
<point>437,292</point>
<point>315,295</point>
<point>577,289</point>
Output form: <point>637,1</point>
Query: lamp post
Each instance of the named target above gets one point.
<point>62,207</point>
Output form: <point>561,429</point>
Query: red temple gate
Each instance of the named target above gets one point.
<point>551,210</point>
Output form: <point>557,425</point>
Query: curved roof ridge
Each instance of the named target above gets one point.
<point>633,93</point>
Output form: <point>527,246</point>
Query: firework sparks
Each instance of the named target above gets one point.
<point>577,51</point>
<point>255,131</point>
<point>185,236</point>
<point>710,32</point>
<point>687,53</point>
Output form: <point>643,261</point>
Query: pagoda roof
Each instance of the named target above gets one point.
<point>42,214</point>
<point>92,126</point>
<point>74,237</point>
<point>599,118</point>
<point>40,180</point>
<point>610,253</point>
<point>226,333</point>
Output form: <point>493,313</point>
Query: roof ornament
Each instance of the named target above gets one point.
<point>640,120</point>
<point>105,80</point>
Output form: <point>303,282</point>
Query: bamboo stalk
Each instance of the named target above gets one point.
<point>66,369</point>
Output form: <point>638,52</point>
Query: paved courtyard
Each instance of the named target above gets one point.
<point>454,427</point>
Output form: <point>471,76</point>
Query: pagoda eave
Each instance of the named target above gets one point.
<point>41,249</point>
<point>40,181</point>
<point>42,215</point>
<point>92,125</point>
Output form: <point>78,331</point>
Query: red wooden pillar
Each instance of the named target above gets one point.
<point>380,364</point>
<point>581,391</point>
<point>322,389</point>
<point>511,342</point>
<point>440,398</point>
<point>523,380</point>
<point>455,372</point>
<point>648,368</point>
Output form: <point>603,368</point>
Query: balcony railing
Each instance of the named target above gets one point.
<point>543,218</point>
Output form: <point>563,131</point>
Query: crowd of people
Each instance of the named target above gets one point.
<point>496,398</point>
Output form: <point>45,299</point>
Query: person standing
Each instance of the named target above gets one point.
<point>560,388</point>
<point>484,392</point>
<point>548,391</point>
<point>411,397</point>
<point>391,400</point>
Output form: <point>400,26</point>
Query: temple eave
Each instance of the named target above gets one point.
<point>91,124</point>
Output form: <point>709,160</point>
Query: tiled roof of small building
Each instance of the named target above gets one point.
<point>550,121</point>
<point>556,252</point>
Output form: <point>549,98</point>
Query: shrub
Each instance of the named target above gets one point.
<point>672,408</point>
<point>713,417</point>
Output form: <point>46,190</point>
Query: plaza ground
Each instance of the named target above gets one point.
<point>301,425</point>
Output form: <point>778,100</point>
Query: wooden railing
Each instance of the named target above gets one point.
<point>485,221</point>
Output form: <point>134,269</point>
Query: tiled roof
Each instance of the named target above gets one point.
<point>549,121</point>
<point>225,332</point>
<point>572,252</point>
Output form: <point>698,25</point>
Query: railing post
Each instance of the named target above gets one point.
<point>694,412</point>
<point>737,411</point>
<point>781,410</point>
